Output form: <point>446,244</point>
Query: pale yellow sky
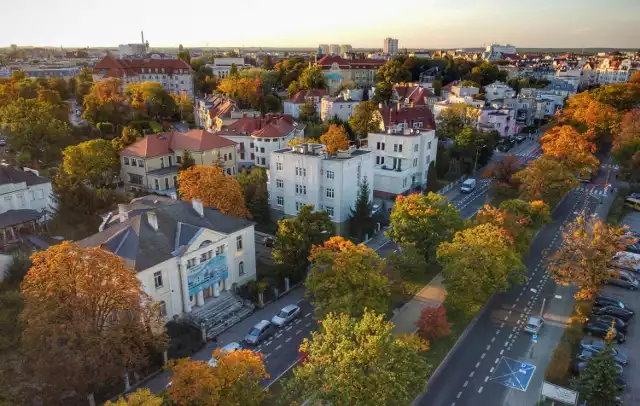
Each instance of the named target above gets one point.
<point>296,23</point>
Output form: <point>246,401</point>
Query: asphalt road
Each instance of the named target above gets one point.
<point>469,378</point>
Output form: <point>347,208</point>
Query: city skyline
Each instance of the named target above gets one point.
<point>465,24</point>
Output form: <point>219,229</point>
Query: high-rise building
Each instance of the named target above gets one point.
<point>334,49</point>
<point>390,46</point>
<point>346,49</point>
<point>324,49</point>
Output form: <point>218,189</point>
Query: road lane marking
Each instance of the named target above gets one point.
<point>266,355</point>
<point>258,348</point>
<point>509,312</point>
<point>465,384</point>
<point>278,347</point>
<point>459,394</point>
<point>486,378</point>
<point>484,354</point>
<point>501,325</point>
<point>307,325</point>
<point>496,361</point>
<point>480,390</point>
<point>489,347</point>
<point>298,321</point>
<point>477,364</point>
<point>501,352</point>
<point>268,342</point>
<point>287,340</point>
<point>491,370</point>
<point>307,315</point>
<point>506,317</point>
<point>298,332</point>
<point>493,339</point>
<point>513,306</point>
<point>471,374</point>
<point>278,334</point>
<point>288,328</point>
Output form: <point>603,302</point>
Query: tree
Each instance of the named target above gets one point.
<point>545,179</point>
<point>588,244</point>
<point>214,188</point>
<point>477,263</point>
<point>151,100</point>
<point>84,83</point>
<point>365,119</point>
<point>186,161</point>
<point>620,96</point>
<point>308,111</point>
<point>141,397</point>
<point>256,194</point>
<point>95,161</point>
<point>346,278</point>
<point>234,381</point>
<point>393,72</point>
<point>359,362</point>
<point>433,323</point>
<point>335,139</point>
<point>453,119</point>
<point>504,186</point>
<point>184,55</point>
<point>567,145</point>
<point>601,120</point>
<point>383,92</point>
<point>184,105</point>
<point>129,136</point>
<point>361,220</point>
<point>267,62</point>
<point>105,103</point>
<point>247,91</point>
<point>272,103</point>
<point>424,221</point>
<point>296,236</point>
<point>432,178</point>
<point>629,129</point>
<point>597,383</point>
<point>312,77</point>
<point>469,83</point>
<point>532,214</point>
<point>233,71</point>
<point>78,312</point>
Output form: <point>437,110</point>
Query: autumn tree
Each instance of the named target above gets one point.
<point>95,161</point>
<point>361,222</point>
<point>335,139</point>
<point>620,96</point>
<point>141,397</point>
<point>82,306</point>
<point>453,119</point>
<point>105,103</point>
<point>518,234</point>
<point>601,120</point>
<point>533,214</point>
<point>588,244</point>
<point>234,381</point>
<point>186,161</point>
<point>151,100</point>
<point>477,263</point>
<point>346,278</point>
<point>629,129</point>
<point>83,85</point>
<point>295,238</point>
<point>545,179</point>
<point>129,136</point>
<point>598,382</point>
<point>393,72</point>
<point>424,221</point>
<point>215,189</point>
<point>567,145</point>
<point>184,106</point>
<point>359,362</point>
<point>246,91</point>
<point>365,119</point>
<point>433,323</point>
<point>256,194</point>
<point>308,111</point>
<point>311,77</point>
<point>503,186</point>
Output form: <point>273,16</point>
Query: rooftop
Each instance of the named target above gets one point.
<point>320,151</point>
<point>10,175</point>
<point>164,143</point>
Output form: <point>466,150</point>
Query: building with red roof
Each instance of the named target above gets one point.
<point>152,162</point>
<point>338,70</point>
<point>175,75</point>
<point>292,105</point>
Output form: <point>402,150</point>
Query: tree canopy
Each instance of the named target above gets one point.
<point>95,161</point>
<point>567,145</point>
<point>360,220</point>
<point>256,195</point>
<point>365,119</point>
<point>335,139</point>
<point>597,383</point>
<point>545,179</point>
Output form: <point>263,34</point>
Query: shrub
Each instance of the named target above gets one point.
<point>433,323</point>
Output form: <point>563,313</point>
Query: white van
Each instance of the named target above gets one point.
<point>468,185</point>
<point>627,261</point>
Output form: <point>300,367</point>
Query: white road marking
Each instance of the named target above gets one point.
<point>287,340</point>
<point>267,355</point>
<point>480,390</point>
<point>496,361</point>
<point>513,306</point>
<point>501,352</point>
<point>558,297</point>
<point>459,394</point>
<point>484,354</point>
<point>501,325</point>
<point>258,348</point>
<point>506,317</point>
<point>509,312</point>
<point>465,384</point>
<point>298,321</point>
<point>307,325</point>
<point>298,332</point>
<point>278,334</point>
<point>268,342</point>
<point>307,315</point>
<point>278,347</point>
<point>493,339</point>
<point>471,374</point>
<point>477,364</point>
<point>486,378</point>
<point>489,347</point>
<point>288,328</point>
<point>491,370</point>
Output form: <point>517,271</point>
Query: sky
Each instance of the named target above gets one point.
<point>300,23</point>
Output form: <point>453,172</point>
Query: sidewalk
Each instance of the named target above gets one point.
<point>432,295</point>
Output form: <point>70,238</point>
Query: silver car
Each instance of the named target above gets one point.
<point>534,325</point>
<point>622,279</point>
<point>286,315</point>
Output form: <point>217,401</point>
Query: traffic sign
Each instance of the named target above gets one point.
<point>534,338</point>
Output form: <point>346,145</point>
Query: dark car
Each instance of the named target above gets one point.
<point>619,324</point>
<point>633,248</point>
<point>623,314</point>
<point>3,141</point>
<point>619,357</point>
<point>579,366</point>
<point>604,300</point>
<point>602,329</point>
<point>259,332</point>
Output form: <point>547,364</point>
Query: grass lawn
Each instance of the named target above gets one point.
<point>405,288</point>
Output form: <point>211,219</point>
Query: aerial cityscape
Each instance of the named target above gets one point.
<point>287,210</point>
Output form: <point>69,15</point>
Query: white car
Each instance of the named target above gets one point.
<point>231,347</point>
<point>286,315</point>
<point>534,325</point>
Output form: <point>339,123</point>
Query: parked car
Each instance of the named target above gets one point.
<point>231,347</point>
<point>534,325</point>
<point>468,185</point>
<point>519,138</point>
<point>627,261</point>
<point>259,332</point>
<point>623,314</point>
<point>3,141</point>
<point>579,366</point>
<point>286,315</point>
<point>633,248</point>
<point>604,300</point>
<point>596,329</point>
<point>620,358</point>
<point>619,324</point>
<point>622,279</point>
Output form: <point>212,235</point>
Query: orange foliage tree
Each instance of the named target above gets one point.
<point>629,129</point>
<point>214,188</point>
<point>335,139</point>
<point>566,144</point>
<point>600,119</point>
<point>234,381</point>
<point>141,397</point>
<point>504,186</point>
<point>86,321</point>
<point>433,323</point>
<point>545,179</point>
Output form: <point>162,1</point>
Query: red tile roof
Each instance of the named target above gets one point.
<point>326,62</point>
<point>408,115</point>
<point>301,96</point>
<point>271,126</point>
<point>222,107</point>
<point>163,143</point>
<point>413,94</point>
<point>113,67</point>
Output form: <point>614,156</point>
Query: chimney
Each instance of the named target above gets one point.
<point>123,214</point>
<point>152,218</point>
<point>198,207</point>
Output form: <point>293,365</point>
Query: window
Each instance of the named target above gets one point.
<point>157,279</point>
<point>135,179</point>
<point>241,268</point>
<point>156,184</point>
<point>126,160</point>
<point>415,148</point>
<point>32,195</point>
<point>415,162</point>
<point>301,171</point>
<point>330,175</point>
<point>280,200</point>
<point>179,159</point>
<point>279,166</point>
<point>251,145</point>
<point>330,193</point>
<point>242,155</point>
<point>329,210</point>
<point>404,182</point>
<point>191,263</point>
<point>395,147</point>
<point>279,183</point>
<point>161,162</point>
<point>299,205</point>
<point>163,308</point>
<point>379,160</point>
<point>140,164</point>
<point>301,189</point>
<point>380,145</point>
<point>264,161</point>
<point>239,243</point>
<point>400,148</point>
<point>262,150</point>
<point>21,201</point>
<point>429,145</point>
<point>220,250</point>
<point>203,257</point>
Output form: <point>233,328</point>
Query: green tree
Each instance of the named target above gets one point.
<point>106,103</point>
<point>432,178</point>
<point>95,161</point>
<point>256,195</point>
<point>84,83</point>
<point>393,72</point>
<point>272,103</point>
<point>312,78</point>
<point>296,236</point>
<point>365,119</point>
<point>383,92</point>
<point>361,220</point>
<point>185,55</point>
<point>545,179</point>
<point>267,62</point>
<point>128,137</point>
<point>597,383</point>
<point>308,112</point>
<point>423,221</point>
<point>151,100</point>
<point>359,362</point>
<point>477,263</point>
<point>186,161</point>
<point>346,278</point>
<point>184,106</point>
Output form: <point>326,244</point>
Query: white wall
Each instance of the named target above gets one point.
<point>16,196</point>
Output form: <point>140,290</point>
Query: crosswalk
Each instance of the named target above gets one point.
<point>592,190</point>
<point>610,166</point>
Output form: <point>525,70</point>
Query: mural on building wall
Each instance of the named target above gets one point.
<point>207,274</point>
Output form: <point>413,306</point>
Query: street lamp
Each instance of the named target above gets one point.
<point>475,164</point>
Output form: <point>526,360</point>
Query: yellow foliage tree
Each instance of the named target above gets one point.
<point>335,139</point>
<point>141,397</point>
<point>545,179</point>
<point>566,144</point>
<point>214,188</point>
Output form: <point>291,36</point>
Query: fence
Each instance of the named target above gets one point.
<point>451,185</point>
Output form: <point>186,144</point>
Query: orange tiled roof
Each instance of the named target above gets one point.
<point>163,143</point>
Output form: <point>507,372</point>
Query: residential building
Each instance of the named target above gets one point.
<point>334,49</point>
<point>339,106</point>
<point>398,117</point>
<point>324,49</point>
<point>498,91</point>
<point>25,200</point>
<point>151,164</point>
<point>497,51</point>
<point>345,49</point>
<point>614,71</point>
<point>221,67</point>
<point>132,50</point>
<point>338,70</point>
<point>588,75</point>
<point>258,137</point>
<point>502,120</point>
<point>390,46</point>
<point>292,105</point>
<point>307,174</point>
<point>412,95</point>
<point>209,107</point>
<point>525,111</point>
<point>562,88</point>
<point>401,155</point>
<point>189,258</point>
<point>175,75</point>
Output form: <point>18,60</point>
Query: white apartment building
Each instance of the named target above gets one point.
<point>334,49</point>
<point>498,91</point>
<point>401,160</point>
<point>614,71</point>
<point>293,104</point>
<point>498,51</point>
<point>307,175</point>
<point>390,46</point>
<point>129,50</point>
<point>339,107</point>
<point>323,49</point>
<point>189,258</point>
<point>221,67</point>
<point>345,49</point>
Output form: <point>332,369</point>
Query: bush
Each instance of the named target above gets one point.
<point>106,129</point>
<point>433,323</point>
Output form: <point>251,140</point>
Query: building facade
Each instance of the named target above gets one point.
<point>390,46</point>
<point>307,175</point>
<point>221,67</point>
<point>293,104</point>
<point>339,107</point>
<point>614,71</point>
<point>498,90</point>
<point>338,70</point>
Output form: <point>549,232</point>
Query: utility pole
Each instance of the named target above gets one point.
<point>475,164</point>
